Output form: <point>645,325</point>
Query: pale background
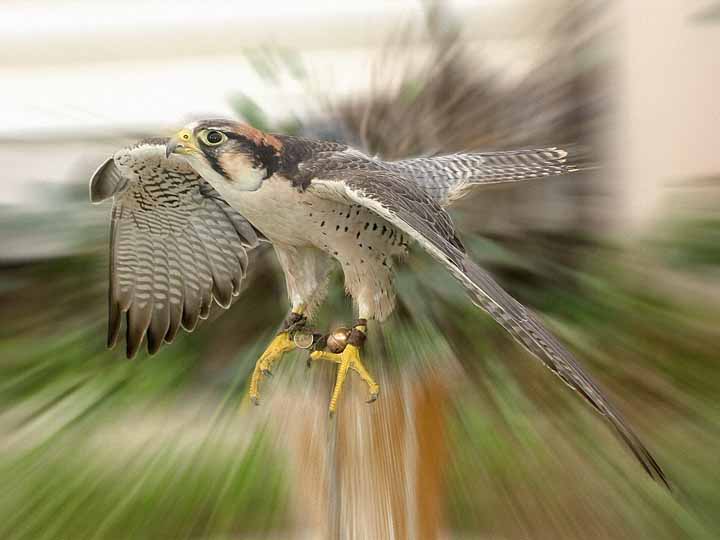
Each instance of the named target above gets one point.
<point>80,76</point>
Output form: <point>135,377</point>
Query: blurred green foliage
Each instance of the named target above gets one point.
<point>522,446</point>
<point>693,243</point>
<point>165,494</point>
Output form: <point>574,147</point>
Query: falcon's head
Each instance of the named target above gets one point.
<point>223,151</point>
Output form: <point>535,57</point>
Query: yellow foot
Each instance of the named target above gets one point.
<point>348,359</point>
<point>282,344</point>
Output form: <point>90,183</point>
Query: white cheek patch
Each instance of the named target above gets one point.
<point>241,176</point>
<point>241,172</point>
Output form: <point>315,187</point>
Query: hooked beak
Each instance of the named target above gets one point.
<point>183,142</point>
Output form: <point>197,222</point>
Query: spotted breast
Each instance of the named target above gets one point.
<point>364,244</point>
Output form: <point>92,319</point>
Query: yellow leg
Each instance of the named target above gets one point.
<point>348,359</point>
<point>283,343</point>
<point>277,348</point>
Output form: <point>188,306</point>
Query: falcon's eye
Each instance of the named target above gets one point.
<point>213,137</point>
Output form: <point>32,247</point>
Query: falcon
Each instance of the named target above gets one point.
<point>187,210</point>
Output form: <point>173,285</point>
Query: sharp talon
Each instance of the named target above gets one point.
<point>373,398</point>
<point>255,400</point>
<point>266,372</point>
<point>331,414</point>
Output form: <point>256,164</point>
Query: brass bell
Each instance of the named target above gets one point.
<point>337,340</point>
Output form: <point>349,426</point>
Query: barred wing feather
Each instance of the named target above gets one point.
<point>175,245</point>
<point>448,178</point>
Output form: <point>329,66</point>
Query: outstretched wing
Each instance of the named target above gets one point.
<point>416,213</point>
<point>175,245</point>
<point>448,178</point>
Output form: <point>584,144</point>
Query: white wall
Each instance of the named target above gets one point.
<point>669,87</point>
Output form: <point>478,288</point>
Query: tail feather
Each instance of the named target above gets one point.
<point>448,178</point>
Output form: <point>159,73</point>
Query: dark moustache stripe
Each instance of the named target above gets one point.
<point>215,164</point>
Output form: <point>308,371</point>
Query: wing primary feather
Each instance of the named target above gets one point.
<point>178,291</point>
<point>231,247</point>
<point>114,323</point>
<point>114,311</point>
<point>206,274</point>
<point>138,320</point>
<point>524,326</point>
<point>193,285</point>
<point>160,321</point>
<point>221,275</point>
